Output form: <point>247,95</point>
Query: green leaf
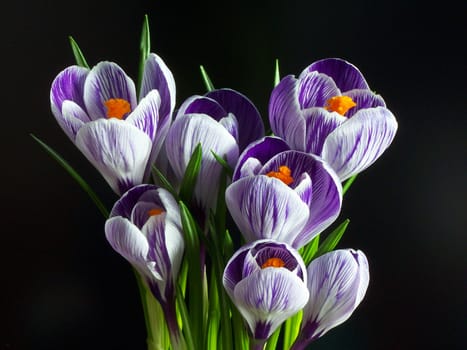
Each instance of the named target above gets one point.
<point>291,329</point>
<point>75,176</point>
<point>164,182</point>
<point>332,239</point>
<point>277,76</point>
<point>227,168</point>
<point>79,57</point>
<point>309,251</point>
<point>195,277</point>
<point>348,183</point>
<point>144,50</point>
<point>191,174</point>
<point>182,310</point>
<point>207,81</point>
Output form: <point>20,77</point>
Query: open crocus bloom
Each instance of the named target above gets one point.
<point>145,228</point>
<point>266,281</point>
<point>99,111</point>
<point>330,111</point>
<point>291,198</point>
<point>337,282</point>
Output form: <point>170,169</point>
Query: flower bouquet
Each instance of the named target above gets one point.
<point>225,220</point>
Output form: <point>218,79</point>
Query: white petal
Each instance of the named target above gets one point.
<point>117,149</point>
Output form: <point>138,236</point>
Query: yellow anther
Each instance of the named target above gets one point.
<point>340,104</point>
<point>117,108</point>
<point>284,174</point>
<point>273,262</point>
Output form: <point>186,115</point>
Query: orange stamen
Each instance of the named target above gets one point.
<point>155,211</point>
<point>273,262</point>
<point>340,104</point>
<point>284,174</point>
<point>117,108</point>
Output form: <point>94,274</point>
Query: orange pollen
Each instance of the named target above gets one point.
<point>340,104</point>
<point>283,174</point>
<point>155,211</point>
<point>273,262</point>
<point>117,108</point>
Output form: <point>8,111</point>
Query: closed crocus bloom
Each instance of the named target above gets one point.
<point>99,111</point>
<point>266,281</point>
<point>337,282</point>
<point>185,134</point>
<point>145,228</point>
<point>231,109</point>
<point>330,111</point>
<point>291,198</point>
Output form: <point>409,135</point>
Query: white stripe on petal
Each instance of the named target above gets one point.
<point>117,149</point>
<point>73,117</point>
<point>127,240</point>
<point>334,281</point>
<point>264,207</point>
<point>270,296</point>
<point>105,81</point>
<point>357,143</point>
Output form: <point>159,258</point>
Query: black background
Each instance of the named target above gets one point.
<point>62,287</point>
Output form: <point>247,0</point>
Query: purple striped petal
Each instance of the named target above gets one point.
<point>72,119</point>
<point>315,89</point>
<point>346,75</point>
<point>285,114</point>
<point>364,99</point>
<point>184,135</point>
<point>261,151</point>
<point>319,124</point>
<point>124,206</point>
<point>264,207</point>
<point>202,105</point>
<point>337,282</point>
<point>357,143</point>
<point>119,150</point>
<point>106,81</point>
<point>250,124</point>
<point>157,76</point>
<point>128,241</point>
<point>146,115</point>
<point>268,297</point>
<point>68,85</point>
<point>323,194</point>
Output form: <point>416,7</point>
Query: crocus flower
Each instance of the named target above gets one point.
<point>330,111</point>
<point>145,228</point>
<point>99,111</point>
<point>337,282</point>
<point>291,198</point>
<point>266,281</point>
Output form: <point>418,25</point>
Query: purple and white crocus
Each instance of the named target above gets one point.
<point>145,228</point>
<point>337,282</point>
<point>331,111</point>
<point>266,281</point>
<point>224,122</point>
<point>99,111</point>
<point>289,196</point>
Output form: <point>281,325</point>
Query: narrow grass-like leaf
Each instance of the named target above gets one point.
<point>214,314</point>
<point>183,312</point>
<point>207,81</point>
<point>144,50</point>
<point>191,174</point>
<point>291,330</point>
<point>277,76</point>
<point>273,339</point>
<point>309,251</point>
<point>348,183</point>
<point>227,168</point>
<point>332,239</point>
<point>164,182</point>
<point>79,57</point>
<point>195,282</point>
<point>84,185</point>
